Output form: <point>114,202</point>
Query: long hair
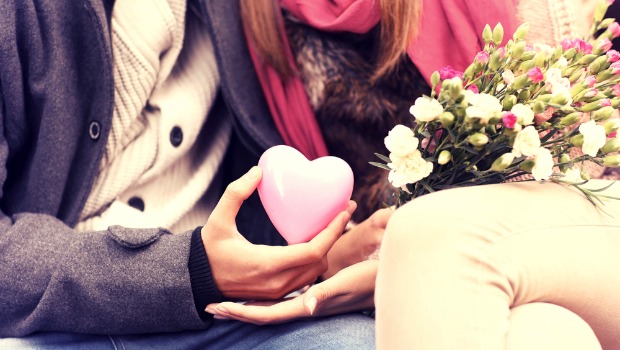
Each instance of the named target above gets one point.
<point>399,25</point>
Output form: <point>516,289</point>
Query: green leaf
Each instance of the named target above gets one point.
<point>380,165</point>
<point>383,158</point>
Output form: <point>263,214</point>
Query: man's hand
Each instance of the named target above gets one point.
<point>351,289</point>
<point>242,270</point>
<point>359,243</point>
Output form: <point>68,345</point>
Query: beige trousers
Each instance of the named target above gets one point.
<point>508,266</point>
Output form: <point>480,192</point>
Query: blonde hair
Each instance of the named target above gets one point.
<point>399,25</point>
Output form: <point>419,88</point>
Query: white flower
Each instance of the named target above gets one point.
<point>543,166</point>
<point>508,76</point>
<point>544,48</point>
<point>572,175</point>
<point>561,63</point>
<point>556,84</point>
<point>593,137</point>
<point>409,169</point>
<point>401,141</point>
<point>527,142</point>
<point>426,109</point>
<point>524,113</point>
<point>483,106</point>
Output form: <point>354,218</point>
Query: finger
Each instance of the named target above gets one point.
<point>234,195</point>
<point>280,312</point>
<point>381,217</point>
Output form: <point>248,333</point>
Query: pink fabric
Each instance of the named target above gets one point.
<point>449,35</point>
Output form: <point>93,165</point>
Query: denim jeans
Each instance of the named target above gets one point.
<point>351,331</point>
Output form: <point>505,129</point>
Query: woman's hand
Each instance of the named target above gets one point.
<point>242,270</point>
<point>359,243</point>
<point>351,289</point>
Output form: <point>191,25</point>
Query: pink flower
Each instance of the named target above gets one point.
<point>473,88</point>
<point>611,2</point>
<point>584,47</point>
<point>615,67</point>
<point>614,29</point>
<point>591,93</point>
<point>544,116</point>
<point>448,72</point>
<point>616,90</point>
<point>482,57</point>
<point>612,134</point>
<point>502,52</point>
<point>535,75</point>
<point>604,44</point>
<point>605,102</point>
<point>567,44</point>
<point>612,56</point>
<point>590,80</point>
<point>509,120</point>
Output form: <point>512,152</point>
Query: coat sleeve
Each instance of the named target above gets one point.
<point>117,281</point>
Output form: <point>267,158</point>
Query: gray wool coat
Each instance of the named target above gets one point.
<point>56,101</point>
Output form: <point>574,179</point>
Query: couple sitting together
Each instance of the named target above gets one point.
<point>131,130</point>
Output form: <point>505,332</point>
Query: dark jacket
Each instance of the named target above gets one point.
<point>56,102</point>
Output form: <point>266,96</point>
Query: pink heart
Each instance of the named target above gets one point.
<point>300,196</point>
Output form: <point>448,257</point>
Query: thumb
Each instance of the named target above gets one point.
<point>236,192</point>
<point>315,296</point>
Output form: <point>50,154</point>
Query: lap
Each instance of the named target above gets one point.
<point>351,331</point>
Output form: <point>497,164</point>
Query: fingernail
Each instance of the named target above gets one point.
<point>210,310</point>
<point>253,173</point>
<point>311,304</point>
<point>220,317</point>
<point>221,309</point>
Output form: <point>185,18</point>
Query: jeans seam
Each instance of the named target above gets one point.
<point>113,342</point>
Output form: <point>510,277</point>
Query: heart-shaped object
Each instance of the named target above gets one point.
<point>300,196</point>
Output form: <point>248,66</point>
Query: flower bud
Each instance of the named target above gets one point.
<point>527,65</point>
<point>495,61</point>
<point>577,75</point>
<point>612,160</point>
<point>603,113</point>
<point>604,75</point>
<point>456,87</point>
<point>498,34</point>
<point>487,34</point>
<point>528,55</point>
<point>446,119</point>
<point>560,99</point>
<point>540,59</point>
<point>570,53</point>
<point>521,32</point>
<point>611,146</point>
<point>518,49</point>
<point>478,139</point>
<point>509,102</point>
<point>584,175</point>
<point>435,78</point>
<point>564,158</point>
<point>600,10</point>
<point>524,95</point>
<point>527,165</point>
<point>611,126</point>
<point>577,140</point>
<point>545,98</point>
<point>587,59</point>
<point>590,107</point>
<point>444,157</point>
<point>520,82</point>
<point>539,107</point>
<point>598,65</point>
<point>503,162</point>
<point>570,119</point>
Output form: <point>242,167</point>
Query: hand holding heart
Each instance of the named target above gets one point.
<point>242,270</point>
<point>301,197</point>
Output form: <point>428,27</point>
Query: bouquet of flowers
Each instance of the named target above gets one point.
<point>517,112</point>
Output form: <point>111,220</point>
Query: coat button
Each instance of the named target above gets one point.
<point>136,202</point>
<point>94,130</point>
<point>176,136</point>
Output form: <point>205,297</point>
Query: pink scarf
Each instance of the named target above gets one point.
<point>449,35</point>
